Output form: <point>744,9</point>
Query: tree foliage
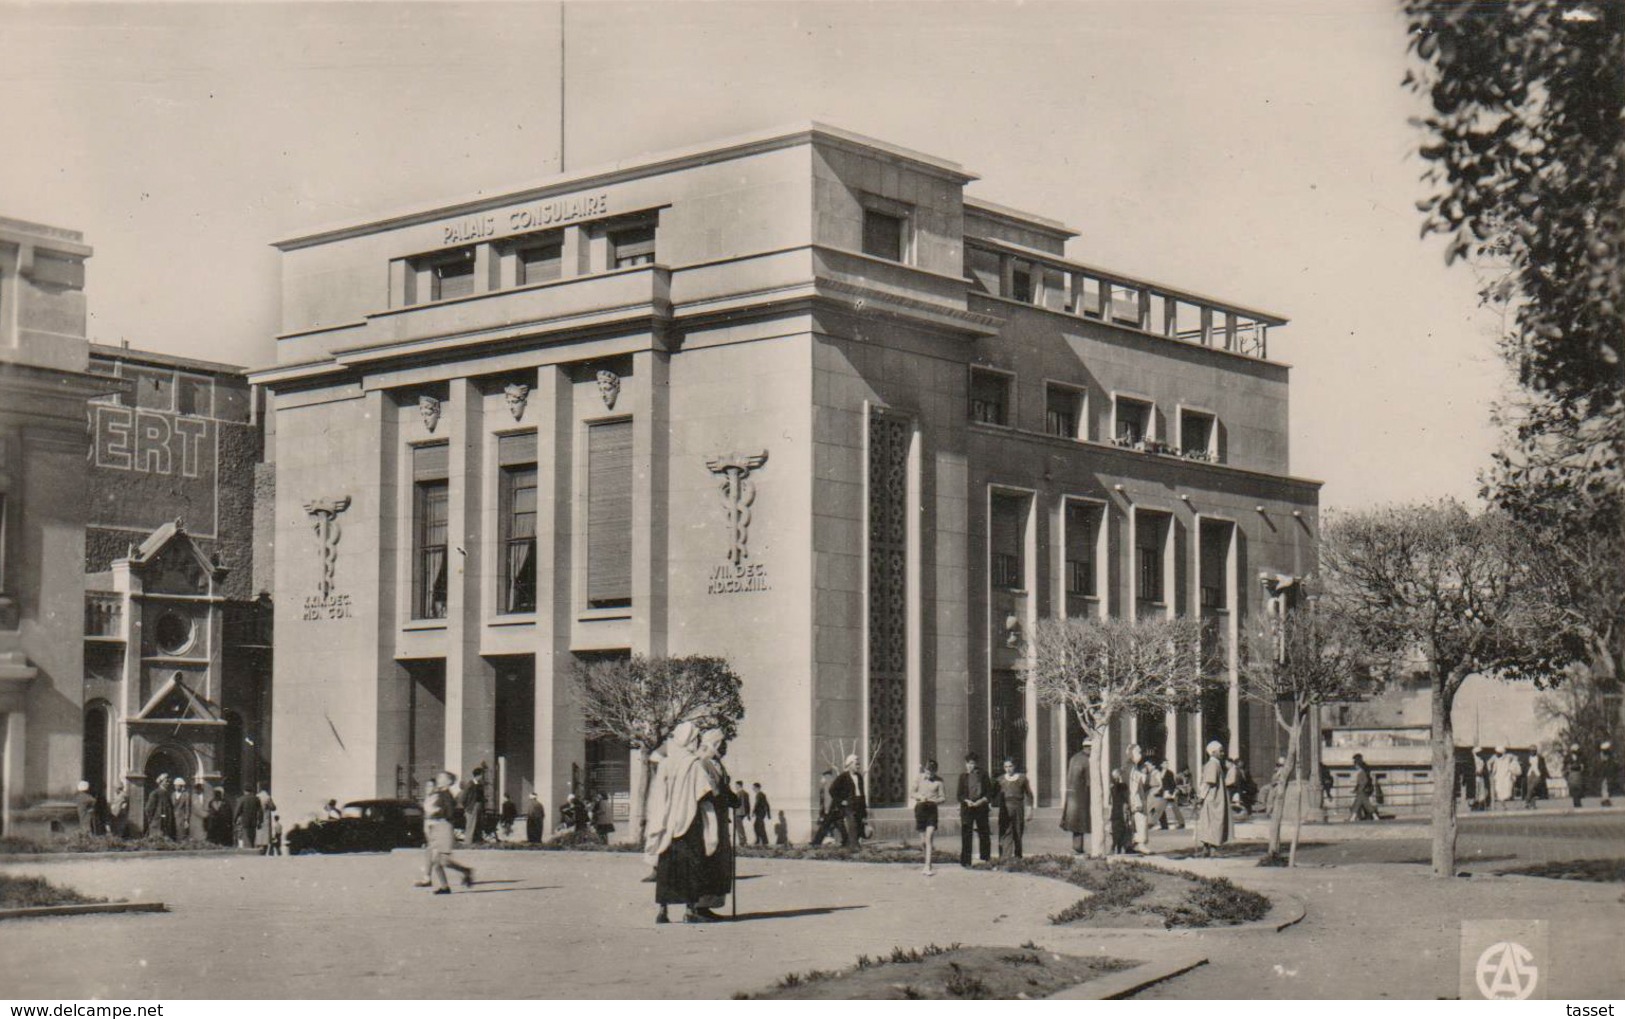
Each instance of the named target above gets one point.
<point>1292,663</point>
<point>1457,592</point>
<point>641,700</point>
<point>1101,669</point>
<point>1525,145</point>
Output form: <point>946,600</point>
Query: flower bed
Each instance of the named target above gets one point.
<point>80,842</point>
<point>22,892</point>
<point>954,972</point>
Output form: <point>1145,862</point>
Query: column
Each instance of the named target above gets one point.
<point>470,681</point>
<point>651,457</point>
<point>557,731</point>
<point>13,740</point>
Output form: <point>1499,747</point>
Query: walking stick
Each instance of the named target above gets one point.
<point>733,877</point>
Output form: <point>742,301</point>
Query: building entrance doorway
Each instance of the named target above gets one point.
<point>93,760</point>
<point>168,761</point>
<point>1009,719</point>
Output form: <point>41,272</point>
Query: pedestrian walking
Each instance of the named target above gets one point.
<point>828,822</point>
<point>245,819</point>
<point>975,795</point>
<point>719,867</point>
<point>1574,773</point>
<point>273,845</point>
<point>181,808</point>
<point>1121,826</point>
<point>1075,812</point>
<point>603,816</point>
<point>1014,795</point>
<point>849,795</point>
<point>535,819</point>
<point>760,813</point>
<point>509,814</point>
<point>1168,781</point>
<point>439,837</point>
<point>267,809</point>
<point>473,804</point>
<point>1607,772</point>
<point>1365,789</point>
<point>1504,773</point>
<point>929,795</point>
<point>118,813</point>
<point>84,802</point>
<point>1139,800</point>
<point>741,812</point>
<point>1213,821</point>
<point>1481,781</point>
<point>217,818</point>
<point>1534,779</point>
<point>685,823</point>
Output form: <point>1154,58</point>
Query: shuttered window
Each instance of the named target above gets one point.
<point>609,514</point>
<point>430,463</point>
<point>633,245</point>
<point>516,450</point>
<point>539,263</point>
<point>452,275</point>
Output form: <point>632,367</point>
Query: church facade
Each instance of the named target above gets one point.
<point>794,399</point>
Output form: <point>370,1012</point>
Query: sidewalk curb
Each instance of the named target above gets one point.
<point>82,909</point>
<point>141,854</point>
<point>1130,981</point>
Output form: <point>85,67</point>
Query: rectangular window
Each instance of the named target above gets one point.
<point>1150,574</point>
<point>516,497</point>
<point>632,245</point>
<point>1214,565</point>
<point>541,262</point>
<point>3,538</point>
<point>883,235</point>
<point>452,275</point>
<point>1063,412</point>
<point>193,395</point>
<point>1008,542</point>
<point>1081,531</point>
<point>153,389</point>
<point>1133,421</point>
<point>609,515</point>
<point>1196,435</point>
<point>989,397</point>
<point>431,505</point>
<point>1021,283</point>
<point>1080,578</point>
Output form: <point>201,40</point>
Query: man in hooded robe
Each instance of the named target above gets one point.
<point>684,826</point>
<point>1213,825</point>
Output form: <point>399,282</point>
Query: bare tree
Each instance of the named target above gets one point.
<point>1457,589</point>
<point>642,700</point>
<point>1292,663</point>
<point>1102,669</point>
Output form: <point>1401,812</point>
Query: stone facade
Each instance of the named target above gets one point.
<point>858,432</point>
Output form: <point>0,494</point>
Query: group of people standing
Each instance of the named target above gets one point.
<point>176,811</point>
<point>1141,793</point>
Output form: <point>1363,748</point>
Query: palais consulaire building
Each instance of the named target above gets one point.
<point>794,399</point>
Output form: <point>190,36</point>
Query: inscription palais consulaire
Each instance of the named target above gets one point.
<point>553,212</point>
<point>737,574</point>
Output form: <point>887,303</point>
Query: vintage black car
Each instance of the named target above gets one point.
<point>367,826</point>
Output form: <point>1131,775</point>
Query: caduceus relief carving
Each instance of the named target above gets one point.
<point>326,513</point>
<point>738,492</point>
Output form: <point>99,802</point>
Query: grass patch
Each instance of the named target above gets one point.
<point>17,892</point>
<point>82,842</point>
<point>1601,871</point>
<point>956,972</point>
<point>1131,893</point>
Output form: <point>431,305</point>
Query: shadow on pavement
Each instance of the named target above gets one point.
<point>787,914</point>
<point>498,891</point>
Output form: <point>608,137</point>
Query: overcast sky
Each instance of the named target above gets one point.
<point>1257,151</point>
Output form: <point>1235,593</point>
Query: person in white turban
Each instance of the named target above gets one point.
<point>1213,825</point>
<point>1505,770</point>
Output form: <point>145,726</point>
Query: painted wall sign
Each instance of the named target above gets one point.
<point>553,212</point>
<point>148,466</point>
<point>739,574</point>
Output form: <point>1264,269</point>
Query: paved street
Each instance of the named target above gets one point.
<point>579,925</point>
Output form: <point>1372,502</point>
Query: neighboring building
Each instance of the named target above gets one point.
<point>44,383</point>
<point>793,399</point>
<point>177,633</point>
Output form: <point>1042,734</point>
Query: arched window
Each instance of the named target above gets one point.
<point>96,744</point>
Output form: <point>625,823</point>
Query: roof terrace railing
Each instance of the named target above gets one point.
<point>1048,281</point>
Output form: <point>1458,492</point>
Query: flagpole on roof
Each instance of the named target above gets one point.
<point>561,87</point>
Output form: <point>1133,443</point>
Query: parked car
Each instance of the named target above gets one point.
<point>366,826</point>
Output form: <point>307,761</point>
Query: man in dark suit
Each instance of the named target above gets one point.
<point>741,811</point>
<point>759,812</point>
<point>159,815</point>
<point>849,800</point>
<point>473,804</point>
<point>975,794</point>
<point>828,821</point>
<point>246,817</point>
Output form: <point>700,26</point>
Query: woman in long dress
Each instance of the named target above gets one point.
<point>683,826</point>
<point>1213,825</point>
<point>719,863</point>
